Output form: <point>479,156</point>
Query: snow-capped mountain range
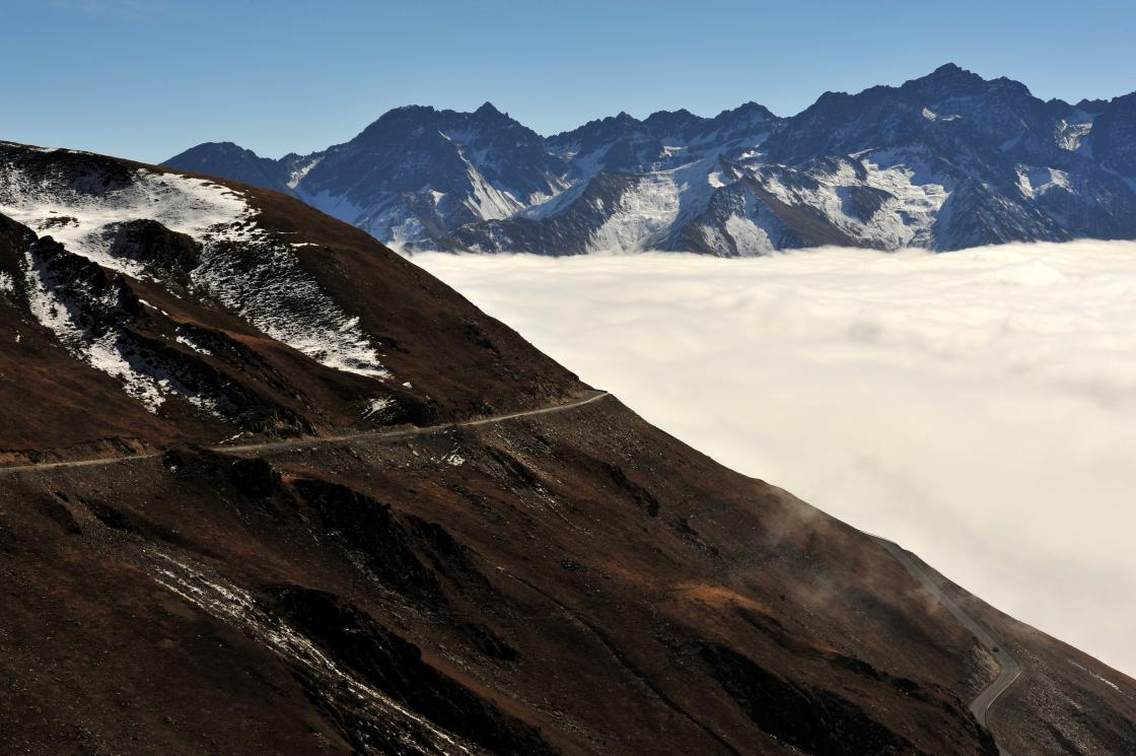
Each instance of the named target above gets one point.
<point>946,161</point>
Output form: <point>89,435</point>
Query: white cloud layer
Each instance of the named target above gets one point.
<point>978,407</point>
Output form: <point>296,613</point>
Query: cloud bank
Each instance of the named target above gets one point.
<point>977,407</point>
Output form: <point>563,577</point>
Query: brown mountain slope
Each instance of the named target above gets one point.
<point>569,582</point>
<point>207,333</point>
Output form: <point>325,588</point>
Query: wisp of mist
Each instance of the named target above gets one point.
<point>978,407</point>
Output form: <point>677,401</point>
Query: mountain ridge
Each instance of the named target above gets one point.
<point>886,167</point>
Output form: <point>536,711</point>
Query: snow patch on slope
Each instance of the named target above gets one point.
<point>1104,680</point>
<point>1071,136</point>
<point>278,297</point>
<point>242,265</point>
<point>338,207</point>
<point>644,211</point>
<point>1034,181</point>
<point>108,352</point>
<point>554,204</point>
<point>749,238</point>
<point>905,214</point>
<point>918,192</point>
<point>103,353</point>
<point>298,175</point>
<point>199,208</point>
<point>487,201</point>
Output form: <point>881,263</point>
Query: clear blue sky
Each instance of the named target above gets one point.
<point>148,78</point>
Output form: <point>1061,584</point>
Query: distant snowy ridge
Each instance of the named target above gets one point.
<point>946,161</point>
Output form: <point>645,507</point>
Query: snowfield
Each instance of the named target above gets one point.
<point>195,207</point>
<point>978,407</point>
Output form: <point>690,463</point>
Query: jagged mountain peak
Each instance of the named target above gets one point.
<point>952,72</point>
<point>1013,89</point>
<point>949,69</point>
<point>401,117</point>
<point>951,80</point>
<point>949,76</point>
<point>948,80</point>
<point>749,108</point>
<point>488,109</point>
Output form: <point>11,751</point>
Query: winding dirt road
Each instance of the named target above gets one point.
<point>311,441</point>
<point>1009,671</point>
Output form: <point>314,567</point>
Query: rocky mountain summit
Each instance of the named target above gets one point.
<point>946,161</point>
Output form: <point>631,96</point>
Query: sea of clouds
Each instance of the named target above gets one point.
<point>977,407</point>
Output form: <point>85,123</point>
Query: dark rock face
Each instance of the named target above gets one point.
<point>818,722</point>
<point>977,213</point>
<point>889,167</point>
<point>155,246</point>
<point>1113,138</point>
<point>369,527</point>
